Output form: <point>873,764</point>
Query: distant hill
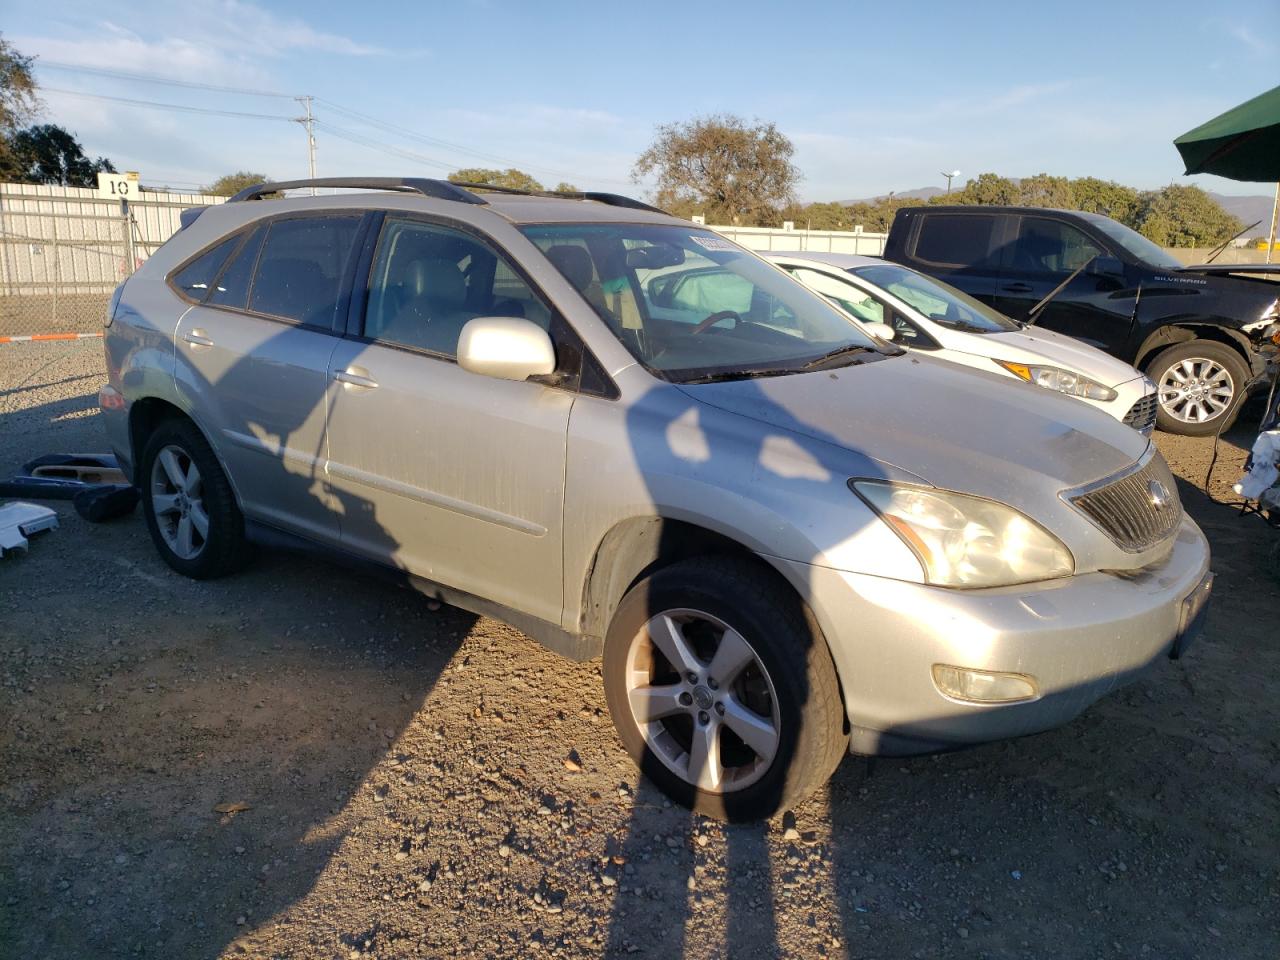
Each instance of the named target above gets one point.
<point>1247,210</point>
<point>920,193</point>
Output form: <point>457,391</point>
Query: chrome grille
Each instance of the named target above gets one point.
<point>1142,415</point>
<point>1138,510</point>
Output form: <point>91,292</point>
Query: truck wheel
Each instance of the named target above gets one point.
<point>722,689</point>
<point>190,508</point>
<point>1200,385</point>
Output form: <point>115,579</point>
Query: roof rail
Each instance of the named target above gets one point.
<point>440,189</point>
<point>612,199</point>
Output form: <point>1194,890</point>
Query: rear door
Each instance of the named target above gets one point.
<point>253,361</point>
<point>453,476</point>
<point>1095,307</point>
<point>957,247</point>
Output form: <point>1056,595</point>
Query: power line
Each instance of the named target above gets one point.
<point>337,107</point>
<point>351,136</point>
<point>155,78</point>
<point>423,138</point>
<point>170,106</point>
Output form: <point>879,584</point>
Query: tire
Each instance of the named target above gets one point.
<point>789,687</point>
<point>1207,412</point>
<point>221,548</point>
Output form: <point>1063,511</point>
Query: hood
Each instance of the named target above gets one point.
<point>952,426</point>
<point>1056,349</point>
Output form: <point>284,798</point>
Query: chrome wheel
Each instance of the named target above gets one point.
<point>177,501</point>
<point>703,700</point>
<point>1196,390</point>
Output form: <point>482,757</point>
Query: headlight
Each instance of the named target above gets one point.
<point>964,541</point>
<point>1055,378</point>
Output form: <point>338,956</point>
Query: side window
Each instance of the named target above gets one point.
<point>955,239</point>
<point>299,273</point>
<point>428,281</point>
<point>232,287</point>
<point>847,296</point>
<point>1050,246</point>
<point>194,280</point>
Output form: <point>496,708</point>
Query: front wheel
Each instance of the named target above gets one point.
<point>722,689</point>
<point>1200,386</point>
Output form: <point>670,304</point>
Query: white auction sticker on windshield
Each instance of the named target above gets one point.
<point>713,243</point>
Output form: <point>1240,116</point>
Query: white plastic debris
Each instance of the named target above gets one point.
<point>1263,474</point>
<point>19,520</point>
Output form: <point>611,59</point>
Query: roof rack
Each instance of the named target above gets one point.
<point>439,189</point>
<point>612,199</point>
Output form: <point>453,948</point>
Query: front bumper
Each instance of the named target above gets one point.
<point>1135,404</point>
<point>1079,638</point>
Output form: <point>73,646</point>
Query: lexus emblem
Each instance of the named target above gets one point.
<point>1160,496</point>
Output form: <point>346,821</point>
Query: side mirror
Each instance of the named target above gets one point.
<point>1106,267</point>
<point>881,330</point>
<point>506,348</point>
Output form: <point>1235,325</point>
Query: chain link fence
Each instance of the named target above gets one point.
<point>63,250</point>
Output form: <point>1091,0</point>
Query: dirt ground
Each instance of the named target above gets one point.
<point>409,782</point>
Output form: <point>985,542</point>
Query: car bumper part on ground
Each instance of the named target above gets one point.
<point>1079,638</point>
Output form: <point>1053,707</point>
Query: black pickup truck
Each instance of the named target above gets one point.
<point>1196,331</point>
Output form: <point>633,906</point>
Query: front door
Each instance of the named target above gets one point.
<point>446,474</point>
<point>1095,307</point>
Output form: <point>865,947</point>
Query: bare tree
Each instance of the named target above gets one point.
<point>722,167</point>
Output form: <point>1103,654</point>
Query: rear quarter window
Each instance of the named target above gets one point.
<point>195,280</point>
<point>955,239</point>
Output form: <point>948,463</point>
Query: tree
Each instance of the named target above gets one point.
<point>47,153</point>
<point>511,178</point>
<point>987,189</point>
<point>1043,190</point>
<point>566,187</point>
<point>1184,216</point>
<point>19,104</point>
<point>1106,197</point>
<point>228,185</point>
<point>721,167</point>
<point>877,215</point>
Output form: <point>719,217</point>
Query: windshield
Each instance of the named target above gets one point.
<point>944,305</point>
<point>691,305</point>
<point>1135,243</point>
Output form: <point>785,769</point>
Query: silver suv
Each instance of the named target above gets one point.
<point>627,436</point>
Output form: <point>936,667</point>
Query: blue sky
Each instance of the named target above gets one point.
<point>876,97</point>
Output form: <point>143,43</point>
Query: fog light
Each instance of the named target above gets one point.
<point>983,686</point>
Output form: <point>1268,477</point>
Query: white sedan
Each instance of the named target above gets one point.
<point>926,314</point>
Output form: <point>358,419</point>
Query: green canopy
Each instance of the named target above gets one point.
<point>1241,144</point>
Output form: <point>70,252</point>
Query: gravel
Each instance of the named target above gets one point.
<point>380,813</point>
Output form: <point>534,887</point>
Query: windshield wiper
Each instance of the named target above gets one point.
<point>848,350</point>
<point>739,375</point>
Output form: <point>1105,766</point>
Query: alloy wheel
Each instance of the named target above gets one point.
<point>1196,390</point>
<point>177,500</point>
<point>703,700</point>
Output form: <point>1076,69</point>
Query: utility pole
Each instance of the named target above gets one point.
<point>309,123</point>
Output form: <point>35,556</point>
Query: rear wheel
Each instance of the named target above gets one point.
<point>190,508</point>
<point>1200,386</point>
<point>722,689</point>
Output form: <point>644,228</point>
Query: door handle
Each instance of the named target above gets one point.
<point>197,338</point>
<point>357,377</point>
<point>1017,288</point>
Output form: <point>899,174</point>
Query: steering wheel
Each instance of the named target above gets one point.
<point>708,322</point>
